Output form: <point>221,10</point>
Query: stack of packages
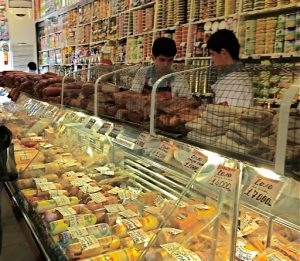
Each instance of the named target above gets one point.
<point>213,124</point>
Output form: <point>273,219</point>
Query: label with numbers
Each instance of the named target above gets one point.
<point>244,254</point>
<point>102,169</point>
<point>115,191</point>
<point>173,231</point>
<point>139,236</point>
<point>74,174</point>
<point>263,190</point>
<point>66,211</point>
<point>125,143</point>
<point>40,180</point>
<point>116,131</point>
<point>132,223</point>
<point>142,139</point>
<point>164,150</point>
<point>105,128</point>
<point>180,253</point>
<point>224,178</point>
<point>56,192</point>
<point>89,189</point>
<point>128,213</point>
<point>195,161</point>
<point>76,221</point>
<point>46,186</point>
<point>80,182</point>
<point>247,224</point>
<point>114,208</point>
<point>201,207</point>
<point>90,124</point>
<point>88,242</point>
<point>98,197</point>
<point>77,232</point>
<point>38,166</point>
<point>47,146</point>
<point>61,200</point>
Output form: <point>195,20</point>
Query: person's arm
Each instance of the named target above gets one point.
<point>181,87</point>
<point>139,80</point>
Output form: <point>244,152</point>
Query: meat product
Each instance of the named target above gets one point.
<point>71,93</point>
<point>169,120</point>
<point>51,91</point>
<point>231,145</point>
<point>88,89</point>
<point>177,104</point>
<point>241,139</point>
<point>137,102</point>
<point>109,88</point>
<point>294,136</point>
<point>256,116</point>
<point>112,110</point>
<point>121,98</point>
<point>225,111</point>
<point>121,114</point>
<point>135,116</point>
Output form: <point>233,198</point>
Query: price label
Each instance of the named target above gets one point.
<point>89,189</point>
<point>224,178</point>
<point>102,169</point>
<point>275,257</point>
<point>180,253</point>
<point>248,224</point>
<point>98,197</point>
<point>40,180</point>
<point>125,143</point>
<point>263,190</point>
<point>105,128</point>
<point>142,139</point>
<point>127,194</point>
<point>201,207</point>
<point>61,201</point>
<point>47,146</point>
<point>56,193</point>
<point>172,231</point>
<point>128,213</point>
<point>195,161</point>
<point>90,124</point>
<point>46,186</point>
<point>115,191</point>
<point>132,223</point>
<point>116,131</point>
<point>76,221</point>
<point>37,166</point>
<point>139,236</point>
<point>244,254</point>
<point>114,208</point>
<point>163,152</point>
<point>88,242</point>
<point>109,173</point>
<point>24,157</point>
<point>66,211</point>
<point>80,182</point>
<point>74,174</point>
<point>77,232</point>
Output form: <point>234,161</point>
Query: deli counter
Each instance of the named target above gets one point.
<point>91,189</point>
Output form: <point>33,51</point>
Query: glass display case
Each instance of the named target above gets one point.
<point>91,189</point>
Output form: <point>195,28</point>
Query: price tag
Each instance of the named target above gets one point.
<point>66,211</point>
<point>201,207</point>
<point>47,145</point>
<point>128,213</point>
<point>76,221</point>
<point>80,182</point>
<point>180,253</point>
<point>127,194</point>
<point>24,157</point>
<point>275,257</point>
<point>46,186</point>
<point>109,173</point>
<point>247,225</point>
<point>90,124</point>
<point>98,197</point>
<point>102,169</point>
<point>139,236</point>
<point>115,191</point>
<point>125,143</point>
<point>88,242</point>
<point>244,254</point>
<point>116,131</point>
<point>142,139</point>
<point>56,192</point>
<point>263,190</point>
<point>74,174</point>
<point>114,208</point>
<point>132,223</point>
<point>195,161</point>
<point>37,166</point>
<point>40,180</point>
<point>224,178</point>
<point>173,231</point>
<point>89,189</point>
<point>61,201</point>
<point>163,152</point>
<point>105,128</point>
<point>77,232</point>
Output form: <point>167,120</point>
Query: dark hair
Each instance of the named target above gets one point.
<point>32,66</point>
<point>224,39</point>
<point>164,46</point>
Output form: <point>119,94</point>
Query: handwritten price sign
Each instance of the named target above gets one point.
<point>195,161</point>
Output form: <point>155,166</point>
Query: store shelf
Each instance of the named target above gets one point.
<point>141,34</point>
<point>83,44</point>
<point>99,42</point>
<point>215,19</point>
<point>47,35</point>
<point>271,10</point>
<point>272,55</point>
<point>83,24</point>
<point>140,7</point>
<point>47,50</point>
<point>199,58</point>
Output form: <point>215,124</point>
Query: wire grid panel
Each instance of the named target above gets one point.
<point>224,114</point>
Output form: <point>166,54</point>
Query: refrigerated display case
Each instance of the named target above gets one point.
<point>97,190</point>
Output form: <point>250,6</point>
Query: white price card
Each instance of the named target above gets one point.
<point>139,236</point>
<point>163,152</point>
<point>128,213</point>
<point>180,253</point>
<point>142,139</point>
<point>102,169</point>
<point>105,128</point>
<point>124,142</point>
<point>61,200</point>
<point>195,161</point>
<point>114,208</point>
<point>47,186</point>
<point>56,192</point>
<point>244,254</point>
<point>76,220</point>
<point>87,188</point>
<point>115,131</point>
<point>263,190</point>
<point>66,211</point>
<point>80,182</point>
<point>40,180</point>
<point>247,224</point>
<point>132,223</point>
<point>77,232</point>
<point>115,191</point>
<point>98,197</point>
<point>38,166</point>
<point>88,242</point>
<point>172,231</point>
<point>90,124</point>
<point>74,174</point>
<point>224,178</point>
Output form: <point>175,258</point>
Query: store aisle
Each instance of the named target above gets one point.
<point>15,244</point>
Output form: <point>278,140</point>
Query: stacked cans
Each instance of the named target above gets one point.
<point>203,9</point>
<point>279,36</point>
<point>270,3</point>
<point>220,8</point>
<point>147,44</point>
<point>247,5</point>
<point>271,25</point>
<point>297,42</point>
<point>290,32</point>
<point>149,19</point>
<point>230,7</point>
<point>242,36</point>
<point>211,9</point>
<point>250,37</point>
<point>259,4</point>
<point>181,34</point>
<point>260,35</point>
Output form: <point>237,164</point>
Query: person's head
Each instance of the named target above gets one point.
<point>32,66</point>
<point>224,47</point>
<point>163,51</point>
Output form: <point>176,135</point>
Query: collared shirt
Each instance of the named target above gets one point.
<point>170,87</point>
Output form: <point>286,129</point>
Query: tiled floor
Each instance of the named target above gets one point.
<point>15,245</point>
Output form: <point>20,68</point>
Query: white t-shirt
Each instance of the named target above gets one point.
<point>235,89</point>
